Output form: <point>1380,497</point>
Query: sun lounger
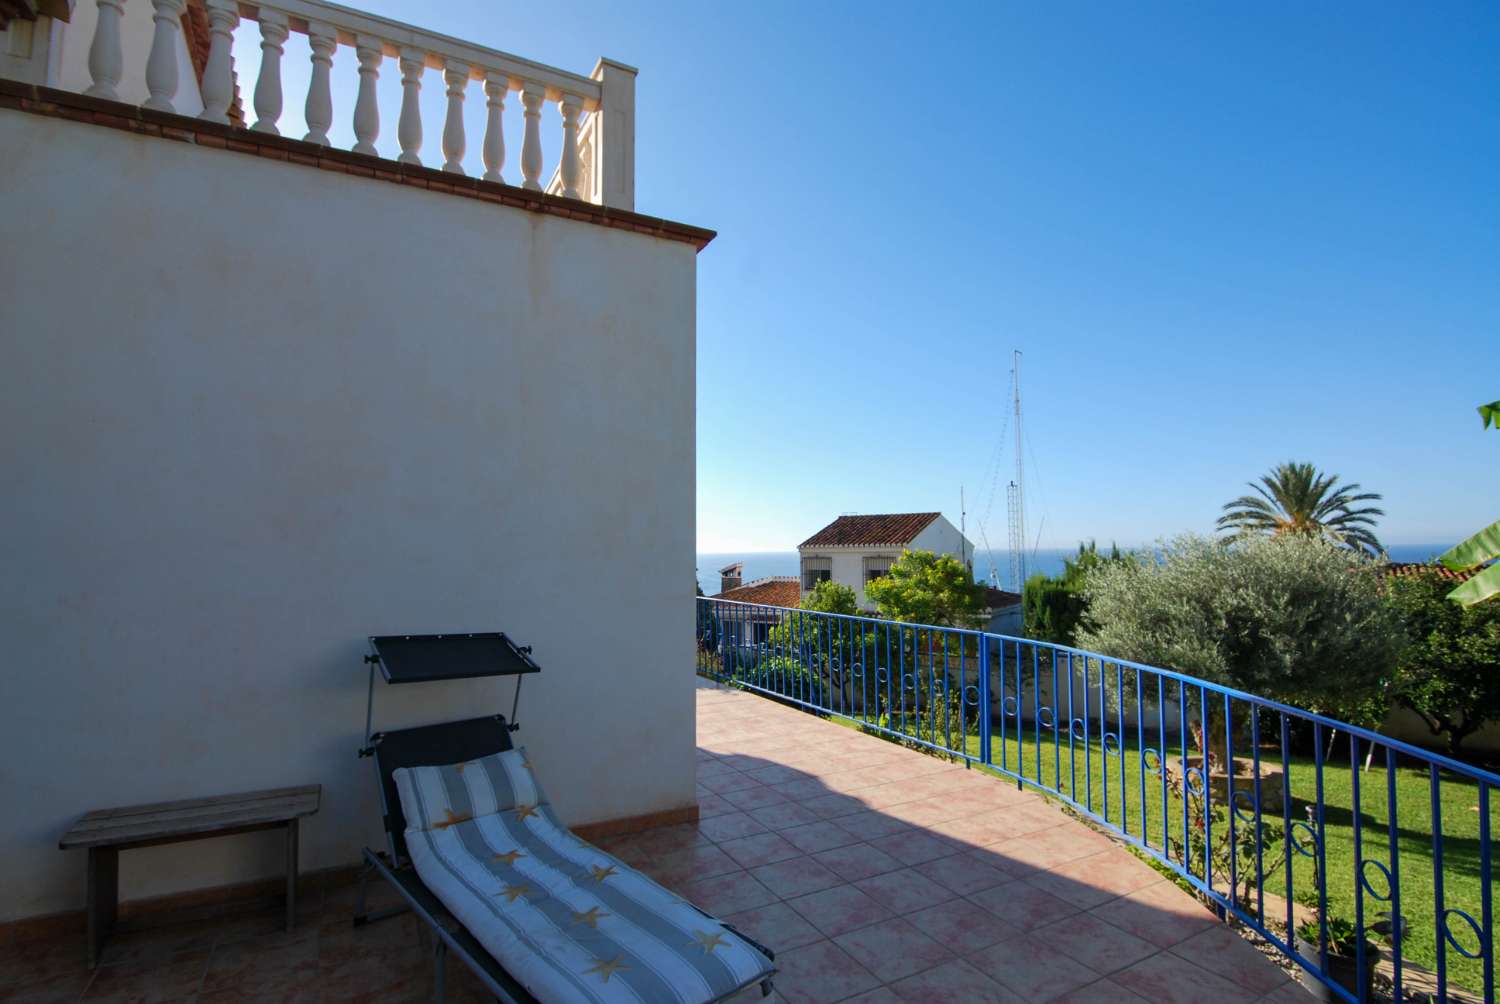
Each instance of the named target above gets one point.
<point>536,913</point>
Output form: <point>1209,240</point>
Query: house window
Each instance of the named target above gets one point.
<point>816,570</point>
<point>876,566</point>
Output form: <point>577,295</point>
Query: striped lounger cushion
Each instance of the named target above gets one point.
<point>567,921</point>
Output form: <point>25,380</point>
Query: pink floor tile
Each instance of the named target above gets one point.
<point>858,861</point>
<point>1102,947</point>
<point>954,982</point>
<point>839,910</point>
<point>1033,968</point>
<point>871,825</point>
<point>963,874</point>
<point>913,847</point>
<point>821,973</point>
<point>775,925</point>
<point>795,877</point>
<point>730,826</point>
<point>753,798</point>
<point>961,926</point>
<point>727,893</point>
<point>1220,950</point>
<point>783,816</point>
<point>904,891</point>
<point>819,836</point>
<point>1023,906</point>
<point>1162,914</point>
<point>893,949</point>
<point>759,849</point>
<point>1165,978</point>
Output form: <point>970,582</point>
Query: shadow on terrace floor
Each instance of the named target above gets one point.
<point>877,874</point>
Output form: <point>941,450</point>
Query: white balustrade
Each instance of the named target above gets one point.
<point>597,159</point>
<point>456,76</point>
<point>366,112</point>
<point>106,63</point>
<point>567,166</point>
<point>409,126</point>
<point>218,74</point>
<point>273,32</point>
<point>318,112</point>
<point>161,65</point>
<point>532,95</point>
<point>495,86</point>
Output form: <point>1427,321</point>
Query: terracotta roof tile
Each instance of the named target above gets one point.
<point>776,591</point>
<point>888,530</point>
<point>1410,568</point>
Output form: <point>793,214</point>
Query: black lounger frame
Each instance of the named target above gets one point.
<point>435,745</point>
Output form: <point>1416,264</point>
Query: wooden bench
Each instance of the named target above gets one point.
<point>107,832</point>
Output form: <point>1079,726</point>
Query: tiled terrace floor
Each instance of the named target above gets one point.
<point>877,874</point>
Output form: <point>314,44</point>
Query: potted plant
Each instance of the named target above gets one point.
<point>1343,963</point>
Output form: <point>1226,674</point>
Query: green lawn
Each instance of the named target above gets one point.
<point>1082,778</point>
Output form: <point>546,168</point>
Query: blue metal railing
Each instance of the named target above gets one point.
<point>1225,788</point>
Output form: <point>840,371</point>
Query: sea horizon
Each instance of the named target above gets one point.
<point>1048,561</point>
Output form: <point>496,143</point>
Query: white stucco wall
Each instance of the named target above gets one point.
<point>942,537</point>
<point>252,412</point>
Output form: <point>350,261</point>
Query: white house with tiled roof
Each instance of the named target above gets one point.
<point>856,550</point>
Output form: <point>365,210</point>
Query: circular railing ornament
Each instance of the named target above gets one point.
<point>1364,879</point>
<point>1473,927</point>
<point>1008,706</point>
<point>1241,808</point>
<point>1151,766</point>
<point>1191,775</point>
<point>1106,739</point>
<point>1309,849</point>
<point>1048,722</point>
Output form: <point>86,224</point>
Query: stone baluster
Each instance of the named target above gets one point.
<point>218,74</point>
<point>105,61</point>
<point>318,112</point>
<point>456,75</point>
<point>532,95</point>
<point>273,31</point>
<point>568,165</point>
<point>409,127</point>
<point>366,113</point>
<point>495,86</point>
<point>161,65</point>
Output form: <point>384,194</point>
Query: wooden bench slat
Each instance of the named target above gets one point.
<point>166,820</point>
<point>187,803</point>
<point>295,805</point>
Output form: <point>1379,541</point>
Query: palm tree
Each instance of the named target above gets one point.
<point>1296,498</point>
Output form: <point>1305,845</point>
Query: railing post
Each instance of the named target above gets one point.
<point>370,52</point>
<point>984,699</point>
<point>493,149</point>
<point>273,32</point>
<point>532,95</point>
<point>161,64</point>
<point>568,166</point>
<point>614,133</point>
<point>456,76</point>
<point>409,125</point>
<point>218,74</point>
<point>106,63</point>
<point>318,112</point>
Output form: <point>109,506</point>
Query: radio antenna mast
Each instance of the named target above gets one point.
<point>1015,492</point>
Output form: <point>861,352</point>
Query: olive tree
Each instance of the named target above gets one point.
<point>1294,618</point>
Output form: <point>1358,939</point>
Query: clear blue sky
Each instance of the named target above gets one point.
<point>1223,235</point>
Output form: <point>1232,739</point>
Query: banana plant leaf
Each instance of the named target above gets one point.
<point>1490,413</point>
<point>1478,549</point>
<point>1481,587</point>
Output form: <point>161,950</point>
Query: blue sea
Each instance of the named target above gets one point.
<point>759,564</point>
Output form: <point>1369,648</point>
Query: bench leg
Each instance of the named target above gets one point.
<point>103,897</point>
<point>291,873</point>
